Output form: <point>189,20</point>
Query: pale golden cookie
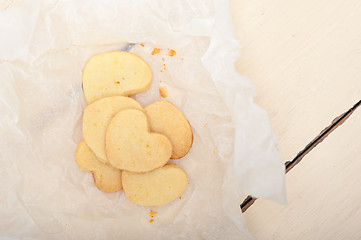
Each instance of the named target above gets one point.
<point>155,188</point>
<point>97,117</point>
<point>166,119</point>
<point>131,146</point>
<point>106,177</point>
<point>115,73</point>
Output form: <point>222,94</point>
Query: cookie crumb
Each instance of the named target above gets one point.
<point>214,152</point>
<point>142,44</point>
<point>205,125</point>
<point>152,213</point>
<point>163,59</point>
<point>182,59</point>
<point>163,92</point>
<point>171,53</point>
<point>156,51</point>
<point>161,70</point>
<point>180,197</point>
<point>151,220</point>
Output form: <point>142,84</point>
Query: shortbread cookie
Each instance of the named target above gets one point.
<point>97,117</point>
<point>106,177</point>
<point>166,119</point>
<point>115,73</point>
<point>155,188</point>
<point>131,146</point>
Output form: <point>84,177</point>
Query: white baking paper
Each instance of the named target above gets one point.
<point>44,47</point>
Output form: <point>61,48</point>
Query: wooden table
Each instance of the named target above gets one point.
<point>305,60</point>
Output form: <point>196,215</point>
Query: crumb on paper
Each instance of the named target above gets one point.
<point>142,44</point>
<point>151,220</point>
<point>161,70</point>
<point>163,92</point>
<point>117,82</point>
<point>205,125</point>
<point>182,59</point>
<point>171,53</point>
<point>163,59</point>
<point>180,197</point>
<point>214,152</point>
<point>156,51</point>
<point>152,213</point>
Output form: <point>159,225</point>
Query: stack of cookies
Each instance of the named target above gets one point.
<point>127,146</point>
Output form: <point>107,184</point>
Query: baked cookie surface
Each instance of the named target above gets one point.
<point>155,188</point>
<point>97,117</point>
<point>166,119</point>
<point>131,146</point>
<point>106,177</point>
<point>115,73</point>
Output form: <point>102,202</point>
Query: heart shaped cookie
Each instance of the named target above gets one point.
<point>115,73</point>
<point>97,117</point>
<point>155,188</point>
<point>166,119</point>
<point>106,177</point>
<point>131,146</point>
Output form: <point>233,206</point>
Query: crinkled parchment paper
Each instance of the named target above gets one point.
<point>44,47</point>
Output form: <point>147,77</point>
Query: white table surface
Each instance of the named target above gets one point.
<point>305,60</point>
